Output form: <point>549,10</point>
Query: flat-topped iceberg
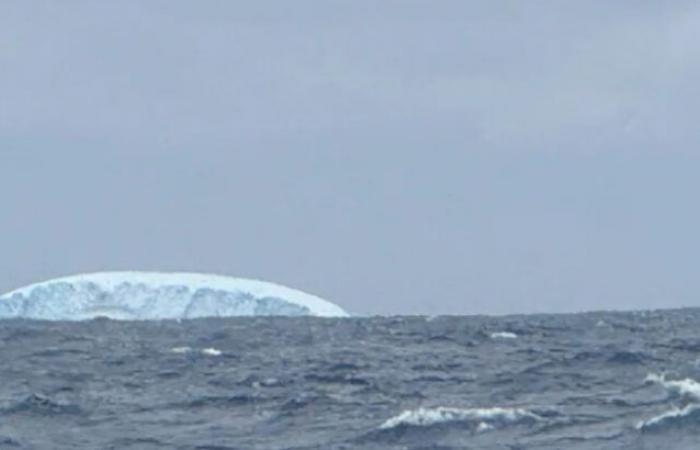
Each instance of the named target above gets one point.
<point>151,295</point>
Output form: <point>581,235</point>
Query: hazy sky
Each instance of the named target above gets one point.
<point>392,156</point>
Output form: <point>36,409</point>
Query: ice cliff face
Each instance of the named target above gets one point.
<point>144,295</point>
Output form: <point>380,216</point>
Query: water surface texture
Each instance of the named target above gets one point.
<point>586,381</point>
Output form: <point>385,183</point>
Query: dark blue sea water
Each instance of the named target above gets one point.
<point>583,381</point>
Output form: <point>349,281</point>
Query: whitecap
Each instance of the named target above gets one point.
<point>503,335</point>
<point>669,417</point>
<point>211,352</point>
<point>181,349</point>
<point>483,426</point>
<point>482,419</point>
<point>687,389</point>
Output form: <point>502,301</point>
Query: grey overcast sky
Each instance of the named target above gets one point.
<point>392,156</point>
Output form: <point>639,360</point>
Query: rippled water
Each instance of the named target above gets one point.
<point>587,381</point>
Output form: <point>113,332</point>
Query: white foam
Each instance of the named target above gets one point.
<point>482,418</point>
<point>503,335</point>
<point>483,426</point>
<point>181,350</point>
<point>211,352</point>
<point>686,388</point>
<point>668,417</point>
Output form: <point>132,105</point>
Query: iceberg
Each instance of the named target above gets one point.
<point>153,295</point>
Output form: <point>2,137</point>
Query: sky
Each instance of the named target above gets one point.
<point>394,157</point>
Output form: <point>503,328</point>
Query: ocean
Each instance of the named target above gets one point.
<point>578,381</point>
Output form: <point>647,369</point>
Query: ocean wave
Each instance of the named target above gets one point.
<point>7,442</point>
<point>688,390</point>
<point>212,352</point>
<point>226,402</point>
<point>205,351</point>
<point>480,419</point>
<point>181,350</point>
<point>37,404</point>
<point>503,335</point>
<point>627,357</point>
<point>690,414</point>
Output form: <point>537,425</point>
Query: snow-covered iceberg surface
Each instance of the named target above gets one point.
<point>146,295</point>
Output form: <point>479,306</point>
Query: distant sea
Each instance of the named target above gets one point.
<point>582,381</point>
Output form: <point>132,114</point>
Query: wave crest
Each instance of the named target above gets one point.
<point>688,391</point>
<point>481,419</point>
